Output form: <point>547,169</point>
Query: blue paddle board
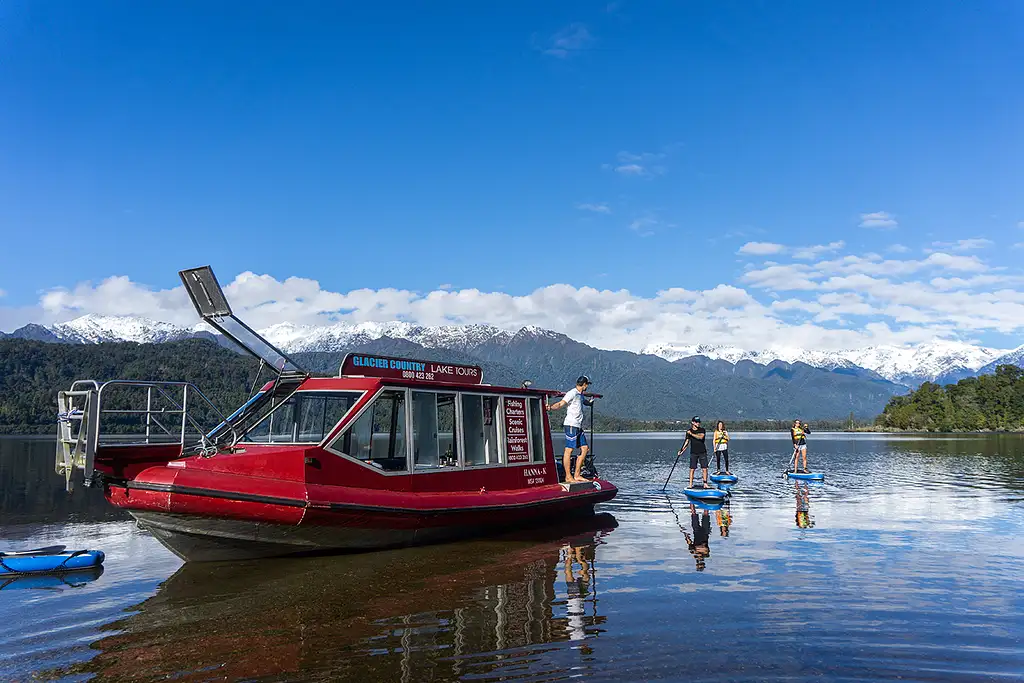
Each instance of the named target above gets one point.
<point>724,478</point>
<point>811,476</point>
<point>53,560</point>
<point>706,494</point>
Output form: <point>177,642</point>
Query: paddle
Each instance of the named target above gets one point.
<point>49,550</point>
<point>792,463</point>
<point>670,472</point>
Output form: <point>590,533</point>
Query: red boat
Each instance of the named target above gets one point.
<point>391,452</point>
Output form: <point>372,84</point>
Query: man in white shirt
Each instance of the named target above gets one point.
<point>575,437</point>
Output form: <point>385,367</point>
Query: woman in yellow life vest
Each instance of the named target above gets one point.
<point>721,442</point>
<point>799,432</point>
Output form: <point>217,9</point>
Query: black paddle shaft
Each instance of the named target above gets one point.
<point>679,454</point>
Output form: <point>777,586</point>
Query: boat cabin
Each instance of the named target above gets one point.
<point>398,417</point>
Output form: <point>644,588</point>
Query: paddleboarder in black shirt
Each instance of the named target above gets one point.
<point>695,436</point>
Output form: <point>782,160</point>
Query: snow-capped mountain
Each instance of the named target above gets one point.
<point>298,338</point>
<point>93,329</point>
<point>1015,357</point>
<point>935,361</point>
<point>904,365</point>
<point>828,360</point>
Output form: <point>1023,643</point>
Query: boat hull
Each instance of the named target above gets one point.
<point>342,528</point>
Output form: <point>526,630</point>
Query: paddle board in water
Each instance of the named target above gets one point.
<point>811,476</point>
<point>724,478</point>
<point>52,560</point>
<point>706,494</point>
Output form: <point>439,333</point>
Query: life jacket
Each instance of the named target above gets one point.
<point>798,435</point>
<point>721,437</point>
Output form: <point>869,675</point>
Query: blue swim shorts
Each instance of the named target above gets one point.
<point>575,437</point>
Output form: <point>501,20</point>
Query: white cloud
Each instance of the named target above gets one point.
<point>572,39</point>
<point>761,248</point>
<point>878,219</point>
<point>783,278</point>
<point>965,245</point>
<point>596,208</point>
<point>2,293</point>
<point>641,164</point>
<point>897,249</point>
<point>846,301</point>
<point>953,262</point>
<point>1021,225</point>
<point>1019,245</point>
<point>631,169</point>
<point>813,252</point>
<point>644,226</point>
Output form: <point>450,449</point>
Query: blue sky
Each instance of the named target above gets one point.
<point>486,152</point>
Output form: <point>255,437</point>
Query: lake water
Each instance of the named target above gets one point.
<point>906,563</point>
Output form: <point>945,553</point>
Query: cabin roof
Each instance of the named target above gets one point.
<point>358,383</point>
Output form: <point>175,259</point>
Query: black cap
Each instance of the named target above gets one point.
<point>582,379</point>
<point>694,419</point>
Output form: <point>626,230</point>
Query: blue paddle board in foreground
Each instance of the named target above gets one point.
<point>706,494</point>
<point>811,476</point>
<point>52,560</point>
<point>724,478</point>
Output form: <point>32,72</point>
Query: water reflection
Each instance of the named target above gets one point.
<point>698,532</point>
<point>803,505</point>
<point>51,582</point>
<point>724,519</point>
<point>422,614</point>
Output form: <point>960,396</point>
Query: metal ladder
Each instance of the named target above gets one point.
<point>77,430</point>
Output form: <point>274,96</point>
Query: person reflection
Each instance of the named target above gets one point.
<point>803,506</point>
<point>577,586</point>
<point>724,519</point>
<point>698,543</point>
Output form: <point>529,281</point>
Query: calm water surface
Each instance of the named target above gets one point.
<point>907,563</point>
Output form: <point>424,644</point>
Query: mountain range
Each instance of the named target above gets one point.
<point>664,381</point>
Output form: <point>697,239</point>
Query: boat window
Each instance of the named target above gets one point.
<point>306,417</point>
<point>433,424</point>
<point>480,429</point>
<point>276,426</point>
<point>282,423</point>
<point>319,413</point>
<point>537,430</point>
<point>378,436</point>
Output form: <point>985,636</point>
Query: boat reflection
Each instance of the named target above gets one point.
<point>431,613</point>
<point>803,505</point>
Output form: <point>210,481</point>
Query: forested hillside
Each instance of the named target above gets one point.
<point>31,374</point>
<point>988,402</point>
<point>641,392</point>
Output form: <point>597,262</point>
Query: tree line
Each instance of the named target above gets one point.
<point>988,402</point>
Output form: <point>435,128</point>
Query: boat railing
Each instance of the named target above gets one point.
<point>129,413</point>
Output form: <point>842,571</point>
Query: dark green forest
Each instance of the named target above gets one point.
<point>32,372</point>
<point>988,402</point>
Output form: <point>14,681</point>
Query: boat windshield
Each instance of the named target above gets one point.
<point>240,333</point>
<point>212,306</point>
